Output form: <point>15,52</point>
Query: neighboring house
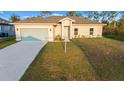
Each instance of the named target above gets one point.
<point>38,28</point>
<point>6,29</point>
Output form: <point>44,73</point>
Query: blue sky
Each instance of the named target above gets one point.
<point>25,14</point>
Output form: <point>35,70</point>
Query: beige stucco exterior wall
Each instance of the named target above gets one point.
<point>58,30</point>
<point>84,30</point>
<point>19,26</point>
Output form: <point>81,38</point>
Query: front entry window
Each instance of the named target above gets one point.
<point>76,31</point>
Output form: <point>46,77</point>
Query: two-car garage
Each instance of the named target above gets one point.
<point>34,34</point>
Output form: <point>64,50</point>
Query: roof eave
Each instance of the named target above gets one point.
<point>90,24</point>
<point>30,23</point>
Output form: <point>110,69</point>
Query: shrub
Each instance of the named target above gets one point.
<point>58,37</point>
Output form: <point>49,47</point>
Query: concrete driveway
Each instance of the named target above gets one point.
<point>16,58</point>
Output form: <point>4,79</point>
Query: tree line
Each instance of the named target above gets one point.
<point>113,19</point>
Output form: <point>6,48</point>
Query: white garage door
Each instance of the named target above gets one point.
<point>34,34</point>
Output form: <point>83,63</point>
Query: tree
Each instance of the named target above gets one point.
<point>121,24</point>
<point>110,18</point>
<point>14,18</point>
<point>94,15</point>
<point>73,13</point>
<point>113,15</point>
<point>45,13</point>
<point>105,16</point>
<point>121,13</point>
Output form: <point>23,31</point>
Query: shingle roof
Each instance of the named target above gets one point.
<point>3,21</point>
<point>32,20</point>
<point>55,19</point>
<point>78,20</point>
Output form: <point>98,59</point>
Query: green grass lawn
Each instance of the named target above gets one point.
<point>53,64</point>
<point>86,59</point>
<point>7,41</point>
<point>115,37</point>
<point>105,55</point>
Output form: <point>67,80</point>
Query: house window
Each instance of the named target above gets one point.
<point>91,31</point>
<point>6,28</point>
<point>76,31</point>
<point>0,28</point>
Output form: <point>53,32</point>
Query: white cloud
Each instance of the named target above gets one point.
<point>55,14</point>
<point>2,15</point>
<point>24,17</point>
<point>6,18</point>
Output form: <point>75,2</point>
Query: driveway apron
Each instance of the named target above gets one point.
<point>16,58</point>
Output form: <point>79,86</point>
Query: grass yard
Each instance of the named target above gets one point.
<point>53,64</point>
<point>86,59</point>
<point>105,55</point>
<point>7,41</point>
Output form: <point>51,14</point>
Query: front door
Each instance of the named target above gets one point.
<point>67,32</point>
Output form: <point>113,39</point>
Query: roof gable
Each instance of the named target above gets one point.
<point>66,18</point>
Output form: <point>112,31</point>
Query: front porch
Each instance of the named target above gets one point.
<point>63,30</point>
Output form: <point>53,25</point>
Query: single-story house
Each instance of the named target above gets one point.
<point>38,28</point>
<point>6,29</point>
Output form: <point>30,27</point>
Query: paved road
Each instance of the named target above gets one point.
<point>16,58</point>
